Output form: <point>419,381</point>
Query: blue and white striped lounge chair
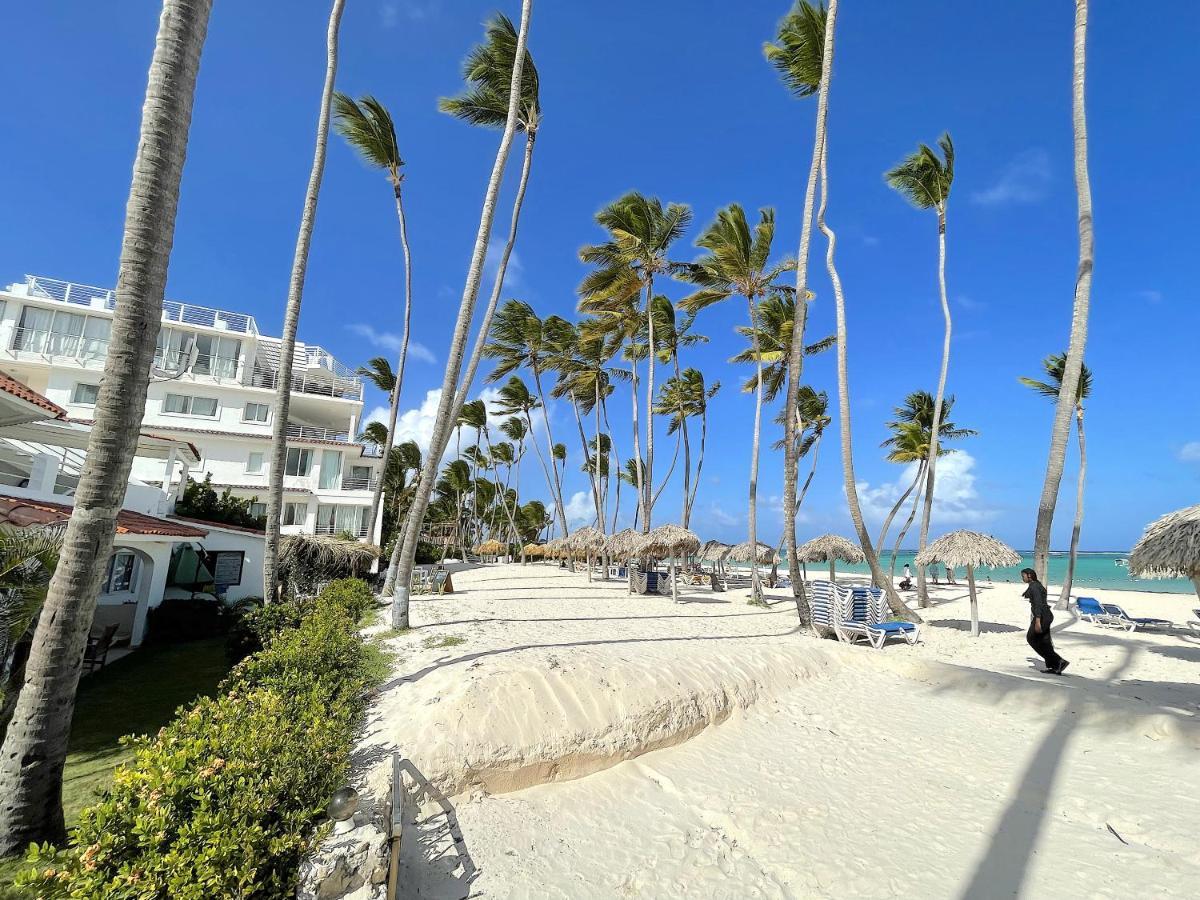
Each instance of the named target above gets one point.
<point>862,614</point>
<point>820,602</point>
<point>1091,610</point>
<point>1133,622</point>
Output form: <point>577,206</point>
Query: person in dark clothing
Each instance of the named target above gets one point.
<point>1040,620</point>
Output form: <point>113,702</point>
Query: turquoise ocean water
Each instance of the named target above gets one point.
<point>1092,570</point>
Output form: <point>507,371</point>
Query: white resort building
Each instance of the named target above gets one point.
<point>212,385</point>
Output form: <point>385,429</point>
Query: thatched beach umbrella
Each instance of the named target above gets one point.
<point>312,558</point>
<point>531,551</point>
<point>714,551</point>
<point>1170,548</point>
<point>764,553</point>
<point>672,541</point>
<point>830,548</point>
<point>970,549</point>
<point>553,548</point>
<point>491,548</point>
<point>586,541</point>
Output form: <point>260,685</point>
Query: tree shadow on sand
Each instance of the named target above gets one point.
<point>434,860</point>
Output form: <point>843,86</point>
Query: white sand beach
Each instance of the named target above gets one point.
<point>581,742</point>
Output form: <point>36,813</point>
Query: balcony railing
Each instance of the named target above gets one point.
<point>316,433</point>
<point>342,388</point>
<point>359,483</point>
<point>172,361</point>
<point>53,344</point>
<point>173,310</point>
<point>332,528</point>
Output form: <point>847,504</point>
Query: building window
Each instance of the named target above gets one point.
<point>121,575</point>
<point>256,412</point>
<point>258,510</point>
<point>254,464</point>
<point>294,513</point>
<point>85,394</point>
<point>216,355</point>
<point>299,462</point>
<point>334,519</point>
<point>184,405</point>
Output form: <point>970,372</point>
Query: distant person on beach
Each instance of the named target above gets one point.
<point>933,571</point>
<point>907,573</point>
<point>950,579</point>
<point>1040,619</point>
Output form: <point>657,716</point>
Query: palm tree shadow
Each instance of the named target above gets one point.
<point>434,860</point>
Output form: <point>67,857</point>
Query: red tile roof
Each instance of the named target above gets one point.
<point>220,525</point>
<point>10,385</point>
<point>20,512</point>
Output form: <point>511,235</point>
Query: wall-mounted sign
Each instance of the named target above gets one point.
<point>226,566</point>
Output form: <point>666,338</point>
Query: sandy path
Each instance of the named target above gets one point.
<point>952,769</point>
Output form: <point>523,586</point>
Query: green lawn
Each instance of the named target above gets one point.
<point>135,695</point>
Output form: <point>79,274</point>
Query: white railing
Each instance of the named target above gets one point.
<point>330,528</point>
<point>342,388</point>
<point>173,361</point>
<point>173,310</point>
<point>374,451</point>
<point>52,344</point>
<point>356,483</point>
<point>316,433</point>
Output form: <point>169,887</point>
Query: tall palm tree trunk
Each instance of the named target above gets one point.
<point>791,461</point>
<point>896,605</point>
<point>639,469</point>
<point>601,508</point>
<point>1064,599</point>
<point>393,411</point>
<point>648,478</point>
<point>755,587</point>
<point>687,447</point>
<point>812,471</point>
<point>555,484</point>
<point>35,744</point>
<point>591,470</point>
<point>400,574</point>
<point>1068,391</point>
<point>699,465</point>
<point>931,462</point>
<point>291,316</point>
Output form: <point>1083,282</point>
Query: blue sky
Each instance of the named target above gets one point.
<point>673,99</point>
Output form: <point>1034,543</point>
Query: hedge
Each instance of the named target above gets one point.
<point>225,800</point>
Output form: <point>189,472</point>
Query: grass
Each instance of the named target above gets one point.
<point>437,643</point>
<point>137,694</point>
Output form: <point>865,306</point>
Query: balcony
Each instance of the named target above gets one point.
<point>333,529</point>
<point>53,345</point>
<point>356,483</point>
<point>316,433</point>
<point>103,298</point>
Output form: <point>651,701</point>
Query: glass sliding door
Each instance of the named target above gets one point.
<point>331,470</point>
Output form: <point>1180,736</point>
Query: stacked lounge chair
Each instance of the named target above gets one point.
<point>857,613</point>
<point>1113,616</point>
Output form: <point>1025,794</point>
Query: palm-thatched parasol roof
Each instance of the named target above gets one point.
<point>585,540</point>
<point>317,557</point>
<point>713,549</point>
<point>828,548</point>
<point>764,553</point>
<point>623,544</point>
<point>668,540</point>
<point>968,548</point>
<point>533,550</point>
<point>554,548</point>
<point>1170,548</point>
<point>492,548</point>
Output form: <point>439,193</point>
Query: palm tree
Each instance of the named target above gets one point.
<point>35,745</point>
<point>375,433</point>
<point>800,56</point>
<point>849,485</point>
<point>367,126</point>
<point>776,320</point>
<point>404,555</point>
<point>641,232</point>
<point>28,557</point>
<point>1068,393</point>
<point>514,399</point>
<point>685,396</point>
<point>925,180</point>
<point>520,339</point>
<point>474,415</point>
<point>291,315</point>
<point>812,418</point>
<point>1056,367</point>
<point>739,263</point>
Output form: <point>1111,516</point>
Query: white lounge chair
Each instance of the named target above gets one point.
<point>864,617</point>
<point>1134,622</point>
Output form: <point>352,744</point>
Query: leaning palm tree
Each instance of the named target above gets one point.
<point>800,56</point>
<point>1068,393</point>
<point>367,126</point>
<point>35,745</point>
<point>924,179</point>
<point>404,554</point>
<point>685,396</point>
<point>641,232</point>
<point>514,399</point>
<point>739,263</point>
<point>812,418</point>
<point>291,315</point>
<point>375,433</point>
<point>1056,366</point>
<point>519,338</point>
<point>849,484</point>
<point>473,415</point>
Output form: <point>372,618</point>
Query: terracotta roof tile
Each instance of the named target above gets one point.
<point>10,385</point>
<point>21,512</point>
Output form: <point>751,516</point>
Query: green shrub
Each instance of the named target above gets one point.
<point>224,801</point>
<point>186,619</point>
<point>201,501</point>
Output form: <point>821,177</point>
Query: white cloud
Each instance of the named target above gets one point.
<point>387,340</point>
<point>955,497</point>
<point>1150,296</point>
<point>416,424</point>
<point>1190,452</point>
<point>413,10</point>
<point>389,15</point>
<point>1024,180</point>
<point>581,509</point>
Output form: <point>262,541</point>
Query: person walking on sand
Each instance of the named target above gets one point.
<point>1041,618</point>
